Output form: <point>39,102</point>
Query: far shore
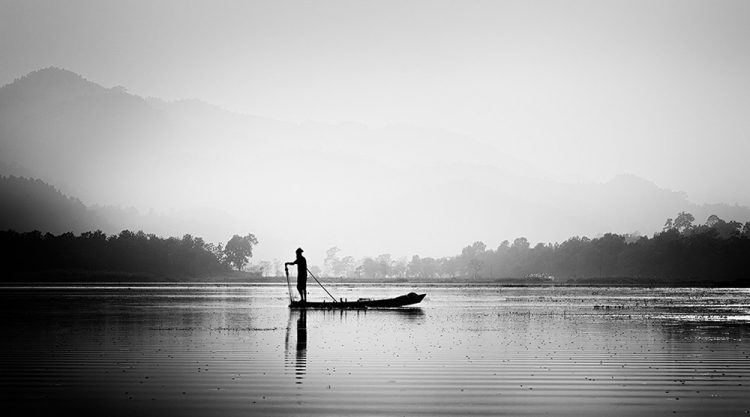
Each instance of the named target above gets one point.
<point>240,278</point>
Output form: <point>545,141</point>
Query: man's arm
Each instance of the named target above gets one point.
<point>291,263</point>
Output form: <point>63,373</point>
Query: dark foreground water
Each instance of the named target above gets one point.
<point>204,350</point>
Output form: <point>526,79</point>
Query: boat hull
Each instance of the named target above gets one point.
<point>404,300</point>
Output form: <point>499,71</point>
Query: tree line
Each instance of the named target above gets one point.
<point>716,251</point>
<point>144,256</point>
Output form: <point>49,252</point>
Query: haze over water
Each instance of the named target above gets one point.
<point>481,350</point>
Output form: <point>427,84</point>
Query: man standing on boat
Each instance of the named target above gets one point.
<point>301,263</point>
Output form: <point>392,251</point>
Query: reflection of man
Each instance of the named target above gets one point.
<point>301,363</point>
<point>301,263</point>
<point>301,334</point>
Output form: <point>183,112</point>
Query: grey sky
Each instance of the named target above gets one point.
<point>642,86</point>
<point>583,90</point>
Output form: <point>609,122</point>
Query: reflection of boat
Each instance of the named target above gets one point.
<point>404,300</point>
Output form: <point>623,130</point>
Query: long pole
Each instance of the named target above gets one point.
<point>321,286</point>
<point>288,285</point>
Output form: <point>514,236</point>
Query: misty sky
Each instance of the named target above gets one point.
<point>587,89</point>
<point>581,90</point>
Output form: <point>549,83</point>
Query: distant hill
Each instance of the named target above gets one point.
<point>28,204</point>
<point>71,132</point>
<point>190,167</point>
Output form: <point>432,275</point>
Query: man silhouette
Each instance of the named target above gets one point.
<point>301,263</point>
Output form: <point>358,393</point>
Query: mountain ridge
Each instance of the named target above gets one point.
<point>429,187</point>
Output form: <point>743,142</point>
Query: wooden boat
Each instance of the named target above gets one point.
<point>404,300</point>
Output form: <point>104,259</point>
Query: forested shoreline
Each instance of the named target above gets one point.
<point>127,256</point>
<point>714,253</point>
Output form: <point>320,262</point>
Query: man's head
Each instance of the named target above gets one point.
<point>299,251</point>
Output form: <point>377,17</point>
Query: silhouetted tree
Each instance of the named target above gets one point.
<point>239,249</point>
<point>724,229</point>
<point>683,222</point>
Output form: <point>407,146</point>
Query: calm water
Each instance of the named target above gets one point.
<point>238,350</point>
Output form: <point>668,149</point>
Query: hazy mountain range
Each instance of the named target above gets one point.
<point>173,168</point>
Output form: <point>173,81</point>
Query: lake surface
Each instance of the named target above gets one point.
<point>198,350</point>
